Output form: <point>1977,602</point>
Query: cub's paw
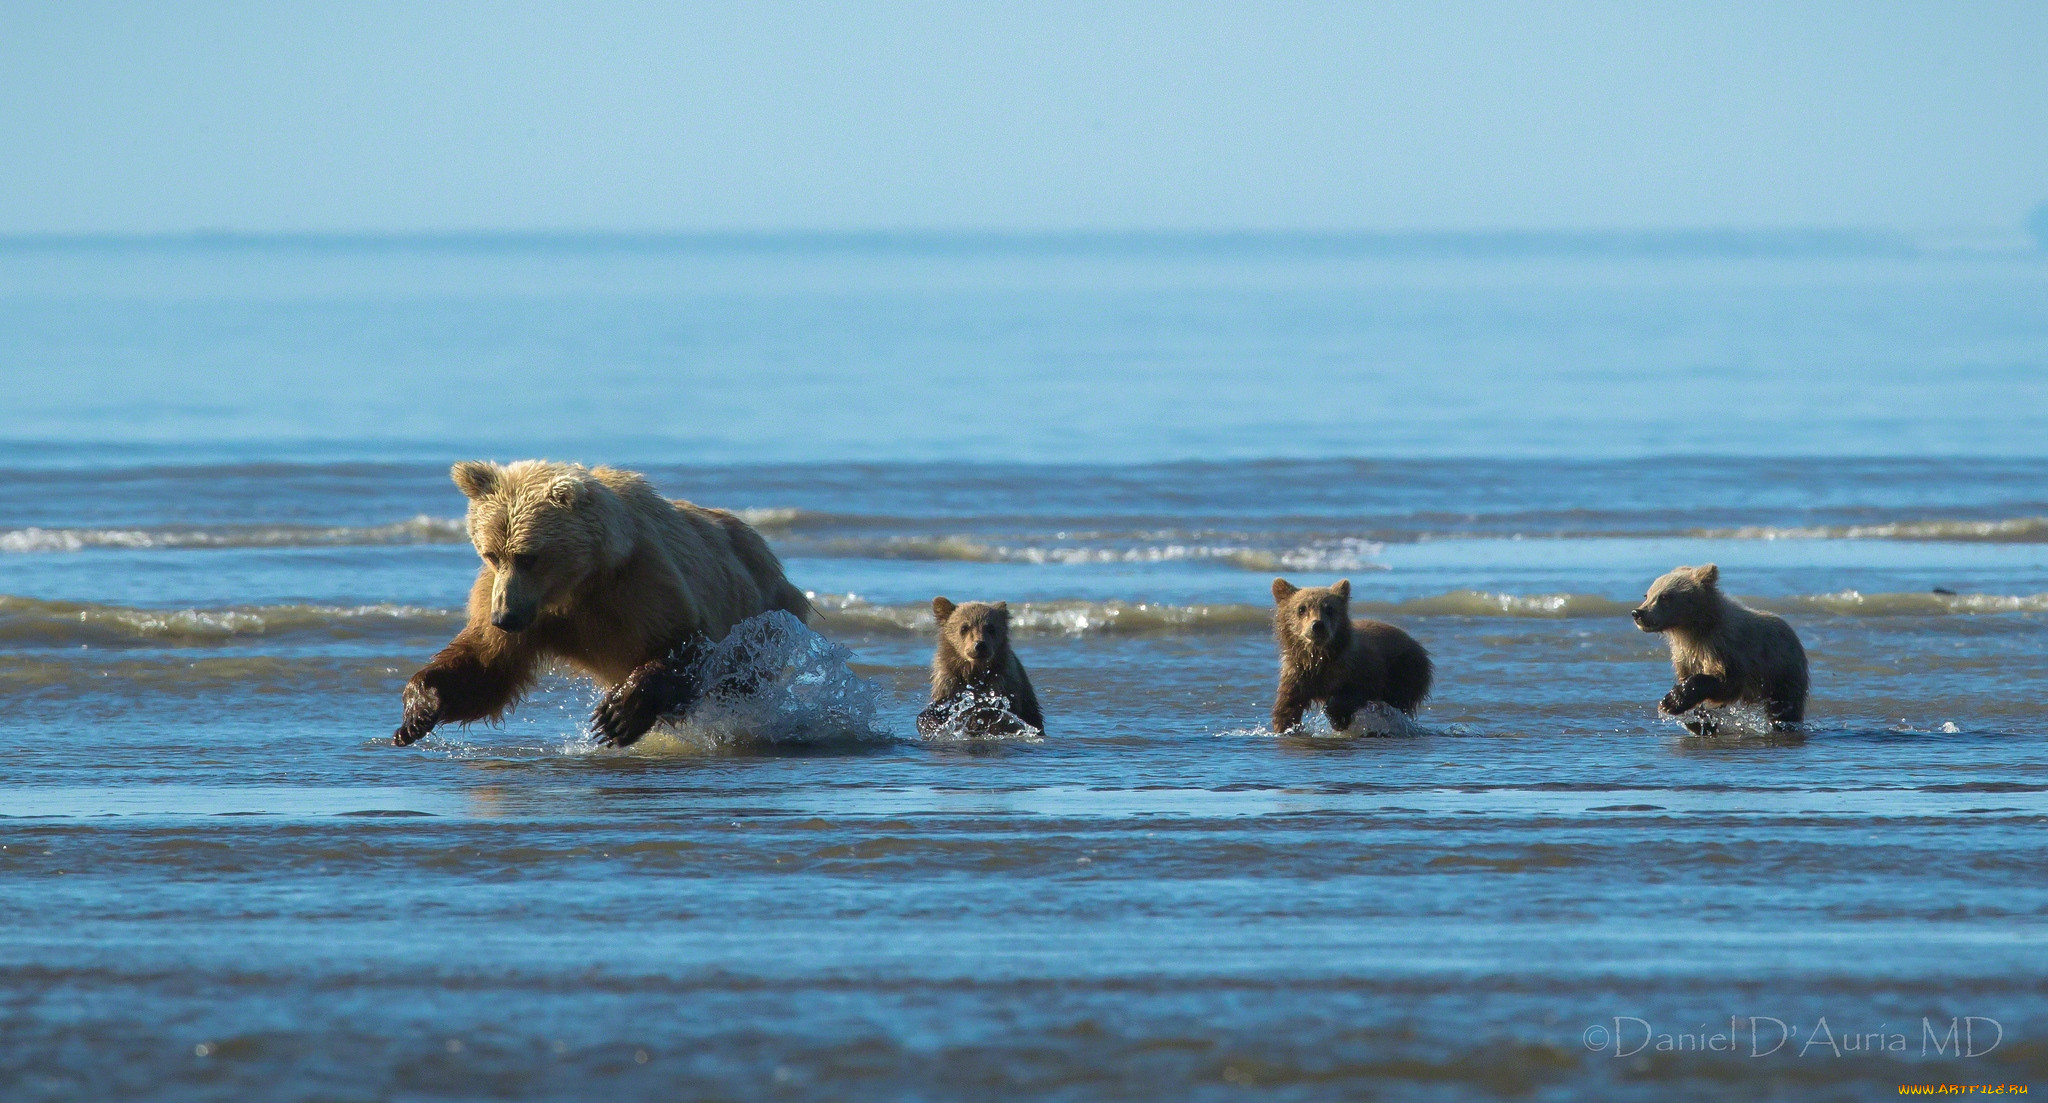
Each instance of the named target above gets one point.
<point>422,713</point>
<point>1674,703</point>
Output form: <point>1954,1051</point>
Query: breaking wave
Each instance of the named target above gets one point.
<point>422,529</point>
<point>1341,554</point>
<point>1109,618</point>
<point>1068,618</point>
<point>418,530</point>
<point>68,623</point>
<point>807,533</point>
<point>34,622</point>
<point>2019,530</point>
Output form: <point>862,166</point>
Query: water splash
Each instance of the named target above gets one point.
<point>1733,722</point>
<point>979,717</point>
<point>1374,719</point>
<point>773,682</point>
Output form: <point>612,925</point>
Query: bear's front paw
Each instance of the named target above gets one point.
<point>1674,703</point>
<point>422,712</point>
<point>625,713</point>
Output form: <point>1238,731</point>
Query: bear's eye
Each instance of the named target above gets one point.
<point>492,559</point>
<point>524,562</point>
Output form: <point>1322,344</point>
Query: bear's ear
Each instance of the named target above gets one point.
<point>1002,609</point>
<point>567,492</point>
<point>941,609</point>
<point>1283,589</point>
<point>1708,575</point>
<point>475,478</point>
<point>1342,589</point>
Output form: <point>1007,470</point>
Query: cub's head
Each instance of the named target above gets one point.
<point>1687,596</point>
<point>978,632</point>
<point>1317,618</point>
<point>541,529</point>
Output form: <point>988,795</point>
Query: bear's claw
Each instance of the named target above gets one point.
<point>625,714</point>
<point>657,688</point>
<point>422,713</point>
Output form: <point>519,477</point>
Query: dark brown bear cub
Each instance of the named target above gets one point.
<point>1327,658</point>
<point>1722,651</point>
<point>974,661</point>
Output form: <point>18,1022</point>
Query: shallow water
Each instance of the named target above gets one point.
<point>222,557</point>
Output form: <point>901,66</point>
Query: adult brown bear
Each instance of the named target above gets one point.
<point>592,567</point>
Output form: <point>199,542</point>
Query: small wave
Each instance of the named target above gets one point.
<point>1083,618</point>
<point>846,612</point>
<point>1067,618</point>
<point>1851,603</point>
<point>774,682</point>
<point>778,518</point>
<point>2019,530</point>
<point>418,530</point>
<point>65,623</point>
<point>1345,554</point>
<point>1480,603</point>
<point>34,621</point>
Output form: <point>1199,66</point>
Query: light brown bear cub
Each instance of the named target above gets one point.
<point>974,657</point>
<point>1327,658</point>
<point>592,567</point>
<point>1723,652</point>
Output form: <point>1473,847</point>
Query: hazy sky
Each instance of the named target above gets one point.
<point>426,116</point>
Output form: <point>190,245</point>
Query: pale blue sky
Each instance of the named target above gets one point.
<point>417,116</point>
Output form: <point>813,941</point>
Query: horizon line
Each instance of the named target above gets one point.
<point>1699,240</point>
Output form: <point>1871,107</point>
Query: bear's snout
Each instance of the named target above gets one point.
<point>1319,629</point>
<point>981,650</point>
<point>509,621</point>
<point>1642,618</point>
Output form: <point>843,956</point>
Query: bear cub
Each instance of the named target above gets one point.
<point>1327,658</point>
<point>974,657</point>
<point>1723,652</point>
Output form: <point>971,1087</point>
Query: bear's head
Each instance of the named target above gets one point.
<point>978,632</point>
<point>1688,597</point>
<point>542,528</point>
<point>1315,619</point>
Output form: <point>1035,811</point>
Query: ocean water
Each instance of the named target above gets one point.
<point>227,537</point>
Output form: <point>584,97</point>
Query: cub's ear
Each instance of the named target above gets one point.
<point>1708,575</point>
<point>1342,589</point>
<point>475,478</point>
<point>941,609</point>
<point>1002,607</point>
<point>1283,589</point>
<point>568,492</point>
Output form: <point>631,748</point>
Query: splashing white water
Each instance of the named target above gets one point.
<point>1735,722</point>
<point>977,717</point>
<point>1373,718</point>
<point>773,681</point>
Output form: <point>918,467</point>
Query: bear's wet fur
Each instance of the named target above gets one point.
<point>593,568</point>
<point>1327,658</point>
<point>1723,652</point>
<point>974,656</point>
